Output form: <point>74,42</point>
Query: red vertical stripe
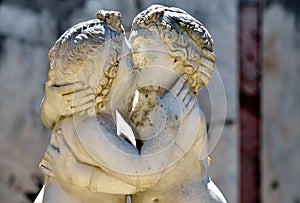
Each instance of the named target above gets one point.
<point>250,117</point>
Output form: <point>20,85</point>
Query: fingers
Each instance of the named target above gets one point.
<point>83,107</point>
<point>69,88</point>
<point>178,86</point>
<point>45,167</point>
<point>82,112</point>
<point>78,94</point>
<point>207,63</point>
<point>209,55</point>
<point>192,103</point>
<point>187,99</point>
<point>91,111</point>
<point>183,93</point>
<point>82,101</point>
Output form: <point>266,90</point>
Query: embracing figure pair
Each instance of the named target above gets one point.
<point>123,113</point>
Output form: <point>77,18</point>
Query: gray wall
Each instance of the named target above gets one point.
<point>28,29</point>
<point>281,97</point>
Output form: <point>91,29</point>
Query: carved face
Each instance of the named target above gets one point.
<point>149,50</point>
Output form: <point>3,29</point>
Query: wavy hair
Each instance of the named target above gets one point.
<point>82,46</point>
<point>187,40</point>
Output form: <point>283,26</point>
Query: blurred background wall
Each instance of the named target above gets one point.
<point>29,28</point>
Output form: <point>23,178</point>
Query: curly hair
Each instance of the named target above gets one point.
<point>187,40</point>
<point>82,46</point>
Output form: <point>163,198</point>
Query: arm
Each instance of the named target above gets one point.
<point>174,107</point>
<point>59,163</point>
<point>64,101</point>
<point>179,101</point>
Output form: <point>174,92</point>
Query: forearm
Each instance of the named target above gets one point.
<point>101,181</point>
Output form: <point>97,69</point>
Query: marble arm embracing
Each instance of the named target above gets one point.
<point>74,160</point>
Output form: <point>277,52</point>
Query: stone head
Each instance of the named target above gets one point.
<point>170,37</point>
<point>89,52</point>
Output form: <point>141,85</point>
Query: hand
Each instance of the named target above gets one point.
<point>60,164</point>
<point>179,101</point>
<point>67,100</point>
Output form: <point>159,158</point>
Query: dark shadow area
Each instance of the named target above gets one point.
<point>38,181</point>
